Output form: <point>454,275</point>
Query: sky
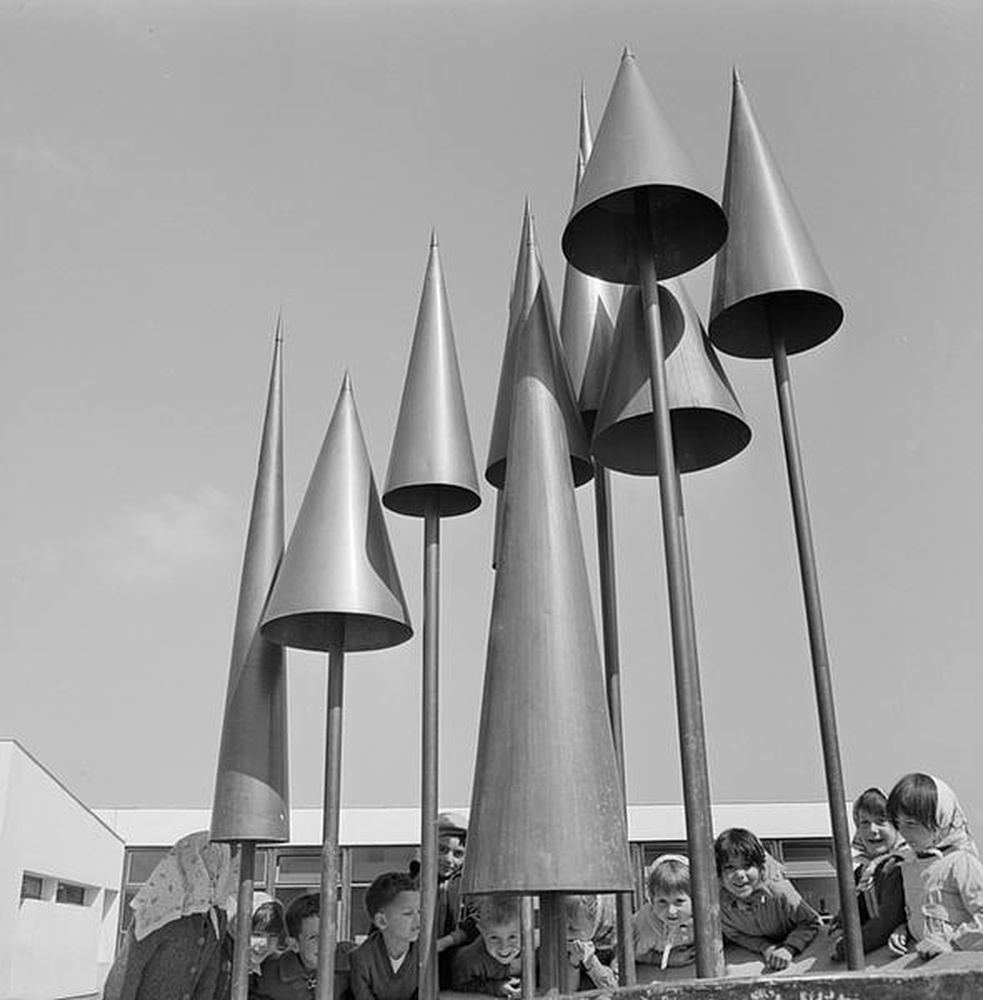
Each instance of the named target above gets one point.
<point>173,174</point>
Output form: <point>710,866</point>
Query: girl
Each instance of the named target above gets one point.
<point>663,928</point>
<point>943,874</point>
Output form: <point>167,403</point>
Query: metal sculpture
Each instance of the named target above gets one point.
<point>431,475</point>
<point>640,214</point>
<point>251,804</point>
<point>338,590</point>
<point>772,298</point>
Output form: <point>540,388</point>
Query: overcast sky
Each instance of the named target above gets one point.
<point>173,174</point>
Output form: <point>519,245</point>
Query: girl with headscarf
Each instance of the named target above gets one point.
<point>173,948</point>
<point>942,873</point>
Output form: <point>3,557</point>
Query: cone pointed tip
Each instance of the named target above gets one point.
<point>627,54</point>
<point>346,382</point>
<point>278,335</point>
<point>433,237</point>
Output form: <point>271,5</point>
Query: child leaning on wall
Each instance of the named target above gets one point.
<point>662,930</point>
<point>942,873</point>
<point>491,963</point>
<point>592,940</point>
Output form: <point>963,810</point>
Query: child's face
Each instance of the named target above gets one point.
<point>450,854</point>
<point>400,920</point>
<point>578,924</point>
<point>310,927</point>
<point>261,946</point>
<point>919,836</point>
<point>502,941</point>
<point>739,877</point>
<point>673,907</point>
<point>878,835</point>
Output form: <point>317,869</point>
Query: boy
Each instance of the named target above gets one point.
<point>293,975</point>
<point>491,964</point>
<point>384,966</point>
<point>765,915</point>
<point>662,929</point>
<point>452,928</point>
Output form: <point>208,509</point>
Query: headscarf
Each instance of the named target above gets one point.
<point>195,876</point>
<point>951,824</point>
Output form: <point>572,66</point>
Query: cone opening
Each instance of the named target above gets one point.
<point>323,632</point>
<point>702,438</point>
<point>805,317</point>
<point>417,500</point>
<point>582,468</point>
<point>688,227</point>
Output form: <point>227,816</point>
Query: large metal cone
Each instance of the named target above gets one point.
<point>587,315</point>
<point>251,792</point>
<point>635,149</point>
<point>432,461</point>
<point>546,810</point>
<point>708,426</point>
<point>530,281</point>
<point>768,279</point>
<point>338,587</point>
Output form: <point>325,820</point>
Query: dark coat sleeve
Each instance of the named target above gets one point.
<point>126,974</point>
<point>891,912</point>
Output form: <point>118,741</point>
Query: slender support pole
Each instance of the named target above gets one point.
<point>244,920</point>
<point>550,923</point>
<point>429,762</point>
<point>689,707</point>
<point>612,673</point>
<point>835,788</point>
<point>327,937</point>
<point>527,919</point>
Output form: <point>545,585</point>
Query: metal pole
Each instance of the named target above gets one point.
<point>429,763</point>
<point>612,673</point>
<point>244,921</point>
<point>550,918</point>
<point>689,708</point>
<point>527,919</point>
<point>835,789</point>
<point>327,937</point>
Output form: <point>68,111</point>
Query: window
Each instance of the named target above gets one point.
<point>141,862</point>
<point>31,886</point>
<point>71,894</point>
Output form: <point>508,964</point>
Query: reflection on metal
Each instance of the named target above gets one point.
<point>338,587</point>
<point>545,771</point>
<point>432,458</point>
<point>635,150</point>
<point>251,800</point>
<point>587,315</point>
<point>768,277</point>
<point>708,426</point>
<point>530,281</point>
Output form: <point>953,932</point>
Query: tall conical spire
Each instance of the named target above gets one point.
<point>431,456</point>
<point>338,586</point>
<point>251,801</point>
<point>768,278</point>
<point>546,809</point>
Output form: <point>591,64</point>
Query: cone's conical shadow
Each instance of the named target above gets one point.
<point>547,813</point>
<point>708,426</point>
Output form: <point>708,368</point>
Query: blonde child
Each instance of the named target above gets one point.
<point>662,930</point>
<point>491,963</point>
<point>942,873</point>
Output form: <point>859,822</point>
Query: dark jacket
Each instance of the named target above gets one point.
<point>372,973</point>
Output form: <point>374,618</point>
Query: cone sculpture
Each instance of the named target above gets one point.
<point>251,800</point>
<point>771,297</point>
<point>708,426</point>
<point>529,281</point>
<point>769,277</point>
<point>635,153</point>
<point>338,587</point>
<point>547,812</point>
<point>432,457</point>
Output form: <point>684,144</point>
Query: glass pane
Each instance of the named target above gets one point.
<point>369,862</point>
<point>807,850</point>
<point>73,894</point>
<point>360,923</point>
<point>141,862</point>
<point>31,886</point>
<point>259,878</point>
<point>301,868</point>
<point>125,913</point>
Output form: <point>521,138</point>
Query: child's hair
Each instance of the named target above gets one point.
<point>669,876</point>
<point>916,796</point>
<point>741,845</point>
<point>495,911</point>
<point>452,825</point>
<point>385,889</point>
<point>308,905</point>
<point>873,803</point>
<point>268,919</point>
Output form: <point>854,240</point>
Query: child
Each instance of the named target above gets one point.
<point>662,930</point>
<point>268,930</point>
<point>384,966</point>
<point>942,874</point>
<point>763,914</point>
<point>491,963</point>
<point>591,943</point>
<point>454,924</point>
<point>880,896</point>
<point>293,974</point>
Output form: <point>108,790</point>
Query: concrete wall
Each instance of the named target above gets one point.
<point>50,949</point>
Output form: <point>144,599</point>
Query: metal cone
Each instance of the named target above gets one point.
<point>338,587</point>
<point>547,812</point>
<point>708,426</point>
<point>769,278</point>
<point>530,281</point>
<point>587,314</point>
<point>635,149</point>
<point>251,800</point>
<point>432,458</point>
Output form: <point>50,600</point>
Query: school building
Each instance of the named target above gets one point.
<point>68,872</point>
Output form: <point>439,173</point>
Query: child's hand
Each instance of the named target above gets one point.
<point>898,941</point>
<point>777,957</point>
<point>579,952</point>
<point>931,946</point>
<point>836,940</point>
<point>511,988</point>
